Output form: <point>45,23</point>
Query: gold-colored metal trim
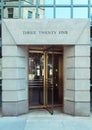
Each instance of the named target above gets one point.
<point>34,107</point>
<point>49,52</point>
<point>45,92</point>
<point>34,51</point>
<point>45,106</point>
<point>45,79</point>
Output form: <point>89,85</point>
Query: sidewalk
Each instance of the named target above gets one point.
<point>12,123</point>
<point>43,120</point>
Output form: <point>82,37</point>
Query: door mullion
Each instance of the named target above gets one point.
<point>52,84</point>
<point>45,76</point>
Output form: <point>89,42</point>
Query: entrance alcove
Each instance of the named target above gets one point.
<point>71,46</point>
<point>45,77</point>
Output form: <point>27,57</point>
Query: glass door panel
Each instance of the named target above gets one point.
<point>54,81</point>
<point>45,80</point>
<point>49,86</point>
<point>36,77</point>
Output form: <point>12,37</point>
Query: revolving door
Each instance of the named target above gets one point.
<point>45,80</point>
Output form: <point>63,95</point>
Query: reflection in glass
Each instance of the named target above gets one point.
<point>80,12</point>
<point>41,12</point>
<point>0,65</point>
<point>34,2</point>
<point>54,74</point>
<point>0,79</point>
<point>45,79</point>
<point>63,12</point>
<point>28,13</point>
<point>63,1</point>
<point>11,2</point>
<point>80,1</point>
<point>11,12</point>
<point>28,2</point>
<point>36,79</point>
<point>91,14</point>
<point>0,13</point>
<point>48,1</point>
<point>48,13</point>
<point>0,37</point>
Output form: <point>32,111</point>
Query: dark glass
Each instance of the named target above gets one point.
<point>54,92</point>
<point>35,79</point>
<point>0,14</point>
<point>91,32</point>
<point>0,93</point>
<point>91,65</point>
<point>91,76</point>
<point>0,30</point>
<point>11,12</point>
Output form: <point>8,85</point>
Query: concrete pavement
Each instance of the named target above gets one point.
<point>43,120</point>
<point>58,125</point>
<point>12,123</point>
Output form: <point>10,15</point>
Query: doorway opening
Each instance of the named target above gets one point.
<point>45,77</point>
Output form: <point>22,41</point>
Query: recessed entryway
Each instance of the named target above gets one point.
<point>61,64</point>
<point>45,77</point>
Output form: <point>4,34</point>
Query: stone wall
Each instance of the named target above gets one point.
<point>72,34</point>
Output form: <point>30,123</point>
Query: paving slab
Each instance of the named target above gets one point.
<point>43,120</point>
<point>58,125</point>
<point>12,123</point>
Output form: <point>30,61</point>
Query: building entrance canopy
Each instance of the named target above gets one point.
<point>57,31</point>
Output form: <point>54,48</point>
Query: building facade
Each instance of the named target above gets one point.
<point>47,63</point>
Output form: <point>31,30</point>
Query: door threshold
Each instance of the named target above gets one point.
<point>44,111</point>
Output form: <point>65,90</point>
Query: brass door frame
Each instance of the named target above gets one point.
<point>45,105</point>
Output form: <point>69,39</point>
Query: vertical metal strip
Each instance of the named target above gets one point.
<point>19,4</point>
<point>89,6</point>
<point>2,9</point>
<point>54,9</point>
<point>37,8</point>
<point>52,106</point>
<point>45,102</point>
<point>71,8</point>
